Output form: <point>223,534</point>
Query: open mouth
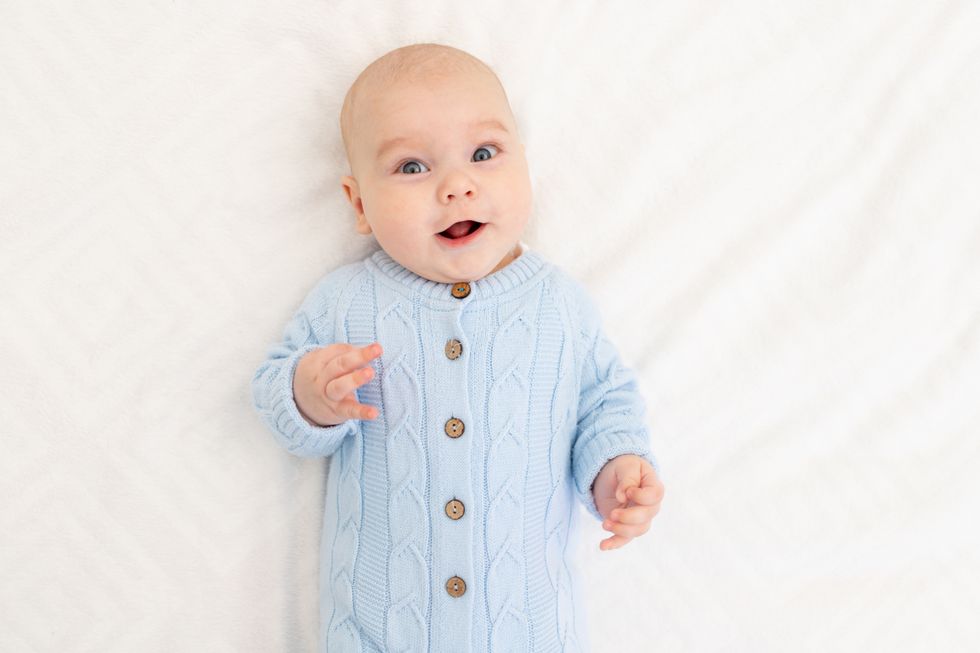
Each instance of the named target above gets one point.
<point>461,229</point>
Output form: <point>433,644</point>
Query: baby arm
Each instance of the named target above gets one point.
<point>615,472</point>
<point>304,392</point>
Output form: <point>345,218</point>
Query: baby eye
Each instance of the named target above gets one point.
<point>402,167</point>
<point>478,157</point>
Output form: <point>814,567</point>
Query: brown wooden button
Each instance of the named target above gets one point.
<point>461,289</point>
<point>455,427</point>
<point>453,349</point>
<point>455,586</point>
<point>454,509</point>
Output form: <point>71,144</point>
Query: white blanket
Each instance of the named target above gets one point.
<point>775,205</point>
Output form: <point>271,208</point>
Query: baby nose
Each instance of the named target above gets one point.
<point>468,193</point>
<point>457,186</point>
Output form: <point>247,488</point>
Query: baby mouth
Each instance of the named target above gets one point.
<point>460,229</point>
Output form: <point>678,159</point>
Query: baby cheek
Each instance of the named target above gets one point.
<point>521,198</point>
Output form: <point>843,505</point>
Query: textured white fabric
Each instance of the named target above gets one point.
<point>774,204</point>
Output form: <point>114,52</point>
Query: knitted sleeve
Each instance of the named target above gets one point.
<point>611,411</point>
<point>311,327</point>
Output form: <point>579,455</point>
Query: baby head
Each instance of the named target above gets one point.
<point>433,149</point>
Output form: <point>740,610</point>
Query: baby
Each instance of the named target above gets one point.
<point>462,385</point>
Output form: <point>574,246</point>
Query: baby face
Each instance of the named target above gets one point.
<point>433,153</point>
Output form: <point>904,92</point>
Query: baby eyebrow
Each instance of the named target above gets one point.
<point>399,140</point>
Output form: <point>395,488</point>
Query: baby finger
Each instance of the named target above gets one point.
<point>614,542</point>
<point>632,515</point>
<point>346,384</point>
<point>353,410</point>
<point>648,496</point>
<point>354,358</point>
<point>626,530</point>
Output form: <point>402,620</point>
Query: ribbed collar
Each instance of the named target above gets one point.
<point>515,277</point>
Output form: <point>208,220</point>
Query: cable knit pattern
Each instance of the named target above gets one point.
<point>505,463</point>
<point>558,513</point>
<point>407,564</point>
<point>342,631</point>
<point>448,521</point>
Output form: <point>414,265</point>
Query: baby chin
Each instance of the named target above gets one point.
<point>468,258</point>
<point>468,266</point>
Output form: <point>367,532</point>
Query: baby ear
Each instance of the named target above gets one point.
<point>354,197</point>
<point>349,185</point>
<point>362,225</point>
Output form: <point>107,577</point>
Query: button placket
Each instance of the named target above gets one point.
<point>454,428</point>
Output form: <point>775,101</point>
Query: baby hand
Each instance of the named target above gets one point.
<point>325,380</point>
<point>622,479</point>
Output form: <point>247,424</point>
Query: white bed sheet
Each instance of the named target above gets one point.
<point>775,205</point>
